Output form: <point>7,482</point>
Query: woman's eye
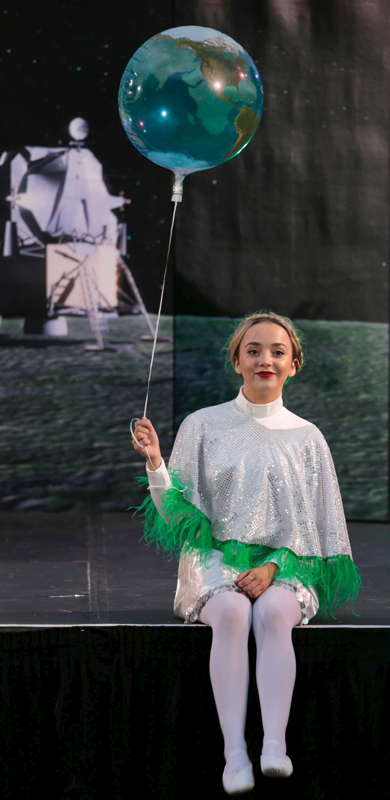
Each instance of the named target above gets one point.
<point>279,352</point>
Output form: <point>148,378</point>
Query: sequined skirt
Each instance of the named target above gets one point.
<point>198,581</point>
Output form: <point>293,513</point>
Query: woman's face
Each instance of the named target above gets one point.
<point>265,361</point>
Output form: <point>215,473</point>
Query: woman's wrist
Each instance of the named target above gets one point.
<point>154,463</point>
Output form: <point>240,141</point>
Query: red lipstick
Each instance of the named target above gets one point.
<point>265,374</point>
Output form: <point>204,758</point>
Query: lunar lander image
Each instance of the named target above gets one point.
<point>63,247</point>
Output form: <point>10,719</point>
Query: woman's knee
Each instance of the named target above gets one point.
<point>277,609</point>
<point>228,611</point>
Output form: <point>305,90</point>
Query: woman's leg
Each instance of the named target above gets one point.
<point>229,614</point>
<point>275,613</point>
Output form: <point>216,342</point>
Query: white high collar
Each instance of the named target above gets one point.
<point>259,410</point>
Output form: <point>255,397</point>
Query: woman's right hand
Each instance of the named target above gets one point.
<point>147,438</point>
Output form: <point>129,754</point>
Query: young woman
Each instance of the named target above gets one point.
<point>251,501</point>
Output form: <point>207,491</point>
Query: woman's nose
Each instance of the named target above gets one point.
<point>265,359</point>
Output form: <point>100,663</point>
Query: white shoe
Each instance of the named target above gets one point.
<point>276,766</point>
<point>240,781</point>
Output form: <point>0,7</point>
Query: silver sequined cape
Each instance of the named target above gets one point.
<point>273,487</point>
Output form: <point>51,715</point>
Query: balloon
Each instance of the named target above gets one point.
<point>190,98</point>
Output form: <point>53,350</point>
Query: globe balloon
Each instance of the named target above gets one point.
<point>190,98</point>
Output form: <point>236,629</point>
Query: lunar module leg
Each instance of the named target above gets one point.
<point>88,283</point>
<point>10,245</point>
<point>141,303</point>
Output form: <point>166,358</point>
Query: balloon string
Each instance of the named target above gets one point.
<point>160,306</point>
<point>134,420</point>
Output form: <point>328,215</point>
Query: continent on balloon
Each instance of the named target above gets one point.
<point>190,98</point>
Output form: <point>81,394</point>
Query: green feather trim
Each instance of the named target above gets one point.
<point>181,526</point>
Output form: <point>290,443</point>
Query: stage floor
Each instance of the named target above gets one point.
<point>81,569</point>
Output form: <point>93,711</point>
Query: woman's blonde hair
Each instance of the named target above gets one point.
<point>233,344</point>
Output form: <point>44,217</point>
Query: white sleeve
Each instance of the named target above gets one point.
<point>159,482</point>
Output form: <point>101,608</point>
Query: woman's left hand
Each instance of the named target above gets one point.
<point>255,581</point>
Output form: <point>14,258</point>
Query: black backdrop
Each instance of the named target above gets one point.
<point>299,220</point>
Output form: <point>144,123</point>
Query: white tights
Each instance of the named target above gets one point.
<point>272,615</point>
